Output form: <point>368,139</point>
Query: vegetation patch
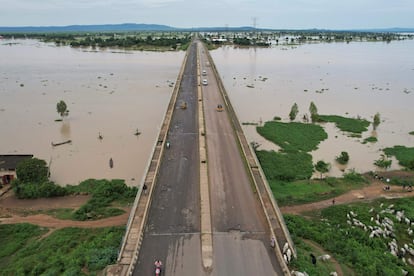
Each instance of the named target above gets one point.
<point>346,124</point>
<point>404,155</point>
<point>370,139</point>
<point>68,251</point>
<point>293,136</point>
<point>411,132</point>
<point>307,191</point>
<point>104,192</point>
<point>359,247</point>
<point>285,166</point>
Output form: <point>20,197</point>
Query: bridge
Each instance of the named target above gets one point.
<point>208,209</point>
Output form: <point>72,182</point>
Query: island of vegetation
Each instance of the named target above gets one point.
<point>359,238</point>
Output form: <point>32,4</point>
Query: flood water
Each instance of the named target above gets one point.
<point>351,80</point>
<point>111,93</point>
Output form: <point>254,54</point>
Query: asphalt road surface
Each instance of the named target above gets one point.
<point>241,240</point>
<point>172,234</point>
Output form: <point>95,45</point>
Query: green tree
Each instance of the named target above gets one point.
<point>376,121</point>
<point>293,112</point>
<point>343,158</point>
<point>322,167</point>
<point>313,112</point>
<point>62,109</point>
<point>383,162</point>
<point>32,170</point>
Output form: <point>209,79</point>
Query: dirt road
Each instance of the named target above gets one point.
<point>12,211</point>
<point>368,193</point>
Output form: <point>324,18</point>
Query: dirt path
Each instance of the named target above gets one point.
<point>12,208</point>
<point>51,222</point>
<point>368,193</point>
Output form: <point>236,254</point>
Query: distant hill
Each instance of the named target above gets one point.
<point>127,27</point>
<point>88,28</point>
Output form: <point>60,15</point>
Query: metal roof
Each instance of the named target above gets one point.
<point>8,162</point>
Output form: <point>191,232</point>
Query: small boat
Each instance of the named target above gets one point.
<point>111,163</point>
<point>61,143</point>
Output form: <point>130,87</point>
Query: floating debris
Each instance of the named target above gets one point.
<point>61,143</point>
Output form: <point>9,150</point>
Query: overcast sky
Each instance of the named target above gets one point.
<point>278,14</point>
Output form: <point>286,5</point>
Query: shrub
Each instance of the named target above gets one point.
<point>37,190</point>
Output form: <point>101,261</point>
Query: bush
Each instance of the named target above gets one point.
<point>37,190</point>
<point>103,192</point>
<point>32,170</point>
<point>68,251</point>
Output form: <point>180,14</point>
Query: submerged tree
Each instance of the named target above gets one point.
<point>293,112</point>
<point>383,162</point>
<point>376,121</point>
<point>343,158</point>
<point>313,112</point>
<point>62,109</point>
<point>322,167</point>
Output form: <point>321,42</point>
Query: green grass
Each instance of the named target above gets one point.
<point>304,263</point>
<point>302,192</point>
<point>104,193</point>
<point>68,251</point>
<point>352,246</point>
<point>404,155</point>
<point>346,124</point>
<point>370,139</point>
<point>293,136</point>
<point>285,166</point>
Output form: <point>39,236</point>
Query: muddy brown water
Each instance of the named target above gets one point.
<point>115,92</point>
<point>112,93</point>
<point>351,80</point>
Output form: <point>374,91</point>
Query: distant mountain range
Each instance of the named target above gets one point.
<point>155,27</point>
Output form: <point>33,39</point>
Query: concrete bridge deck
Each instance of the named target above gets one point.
<point>172,221</point>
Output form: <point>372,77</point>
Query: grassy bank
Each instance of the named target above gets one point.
<point>404,155</point>
<point>106,196</point>
<point>336,230</point>
<point>69,251</point>
<point>307,191</point>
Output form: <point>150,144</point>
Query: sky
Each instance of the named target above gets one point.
<point>276,14</point>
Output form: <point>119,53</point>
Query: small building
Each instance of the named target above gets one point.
<point>8,164</point>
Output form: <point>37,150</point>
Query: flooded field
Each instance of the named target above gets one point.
<point>351,80</point>
<point>111,93</point>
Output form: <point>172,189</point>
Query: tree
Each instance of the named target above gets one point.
<point>322,167</point>
<point>343,158</point>
<point>32,170</point>
<point>383,162</point>
<point>293,112</point>
<point>376,121</point>
<point>314,112</point>
<point>62,109</point>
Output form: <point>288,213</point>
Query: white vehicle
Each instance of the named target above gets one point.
<point>204,73</point>
<point>204,82</point>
